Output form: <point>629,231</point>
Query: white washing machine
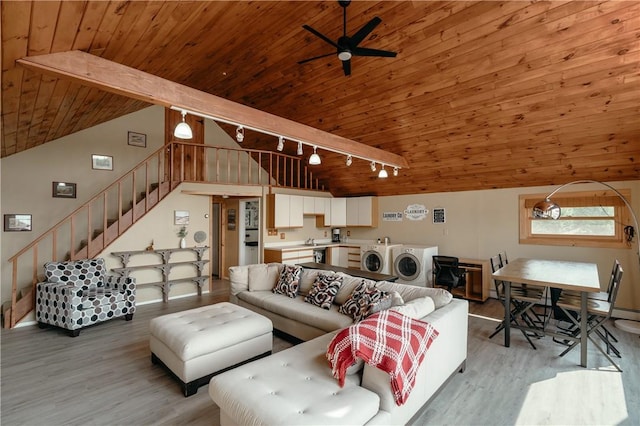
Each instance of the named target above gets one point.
<point>377,258</point>
<point>413,264</point>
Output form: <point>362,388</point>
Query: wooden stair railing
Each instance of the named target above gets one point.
<point>94,225</point>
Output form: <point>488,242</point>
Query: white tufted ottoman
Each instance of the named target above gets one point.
<point>198,343</point>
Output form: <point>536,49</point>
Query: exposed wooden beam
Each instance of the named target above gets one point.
<point>93,71</point>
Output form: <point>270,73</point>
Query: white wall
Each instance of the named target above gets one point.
<point>479,224</point>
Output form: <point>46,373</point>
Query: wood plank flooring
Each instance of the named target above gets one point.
<point>105,377</point>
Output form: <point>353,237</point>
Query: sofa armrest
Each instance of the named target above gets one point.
<point>58,290</point>
<point>239,277</point>
<point>120,284</point>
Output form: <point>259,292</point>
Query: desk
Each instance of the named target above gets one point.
<point>350,271</point>
<point>577,276</point>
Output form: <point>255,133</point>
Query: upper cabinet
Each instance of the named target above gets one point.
<point>338,212</point>
<point>362,211</point>
<point>284,211</point>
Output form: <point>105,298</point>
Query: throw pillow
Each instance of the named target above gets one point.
<point>351,306</point>
<point>307,278</point>
<point>349,283</point>
<point>324,290</point>
<point>289,281</point>
<point>416,308</point>
<point>385,302</point>
<point>373,300</point>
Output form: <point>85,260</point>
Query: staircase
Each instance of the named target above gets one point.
<point>94,225</point>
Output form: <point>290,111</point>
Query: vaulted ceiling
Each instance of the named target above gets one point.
<point>481,94</point>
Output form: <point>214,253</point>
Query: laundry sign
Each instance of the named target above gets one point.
<point>392,216</point>
<point>416,212</point>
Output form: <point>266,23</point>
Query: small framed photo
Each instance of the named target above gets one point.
<point>137,139</point>
<point>101,162</point>
<point>17,222</point>
<point>181,217</point>
<point>438,215</point>
<point>64,190</point>
<point>231,219</point>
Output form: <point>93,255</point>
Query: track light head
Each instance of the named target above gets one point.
<point>395,171</point>
<point>280,146</point>
<point>349,160</point>
<point>240,134</point>
<point>314,159</point>
<point>183,130</point>
<point>373,166</point>
<point>299,152</point>
<point>383,173</point>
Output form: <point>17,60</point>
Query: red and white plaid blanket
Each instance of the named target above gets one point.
<point>388,340</point>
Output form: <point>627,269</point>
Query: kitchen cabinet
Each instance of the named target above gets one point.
<point>324,218</point>
<point>308,205</point>
<point>354,257</point>
<point>339,256</point>
<point>338,212</point>
<point>288,256</point>
<point>285,211</point>
<point>362,211</point>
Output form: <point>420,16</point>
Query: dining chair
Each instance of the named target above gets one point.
<point>598,311</point>
<point>523,300</point>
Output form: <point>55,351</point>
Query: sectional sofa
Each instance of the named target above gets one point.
<point>296,386</point>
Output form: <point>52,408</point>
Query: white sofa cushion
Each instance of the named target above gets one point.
<point>239,277</point>
<point>416,308</point>
<point>307,279</point>
<point>293,387</point>
<point>262,277</point>
<point>440,296</point>
<point>297,309</point>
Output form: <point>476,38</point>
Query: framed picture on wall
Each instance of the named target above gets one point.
<point>64,190</point>
<point>137,139</point>
<point>101,162</point>
<point>17,222</point>
<point>181,217</point>
<point>231,219</point>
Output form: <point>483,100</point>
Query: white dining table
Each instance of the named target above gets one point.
<point>562,274</point>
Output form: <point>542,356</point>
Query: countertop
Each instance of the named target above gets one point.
<point>317,246</point>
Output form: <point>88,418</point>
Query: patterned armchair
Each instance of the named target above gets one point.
<point>79,293</point>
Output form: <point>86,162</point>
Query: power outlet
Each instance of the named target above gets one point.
<point>272,232</point>
<point>348,233</point>
<point>325,234</point>
<point>282,235</point>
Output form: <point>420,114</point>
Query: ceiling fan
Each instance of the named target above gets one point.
<point>346,46</point>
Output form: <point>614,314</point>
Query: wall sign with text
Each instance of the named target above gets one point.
<point>416,212</point>
<point>438,215</point>
<point>392,216</point>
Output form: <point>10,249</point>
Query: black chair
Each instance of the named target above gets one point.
<point>447,273</point>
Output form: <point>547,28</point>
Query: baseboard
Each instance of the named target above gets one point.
<point>148,302</point>
<point>626,314</point>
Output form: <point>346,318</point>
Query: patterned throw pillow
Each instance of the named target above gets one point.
<point>351,306</point>
<point>324,290</point>
<point>289,281</point>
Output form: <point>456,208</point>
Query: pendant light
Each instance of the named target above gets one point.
<point>383,173</point>
<point>314,159</point>
<point>182,130</point>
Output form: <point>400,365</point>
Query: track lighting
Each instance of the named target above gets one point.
<point>373,166</point>
<point>395,171</point>
<point>280,146</point>
<point>299,152</point>
<point>240,134</point>
<point>314,159</point>
<point>182,130</point>
<point>383,173</point>
<point>349,160</point>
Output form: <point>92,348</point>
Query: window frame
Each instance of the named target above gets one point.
<point>621,218</point>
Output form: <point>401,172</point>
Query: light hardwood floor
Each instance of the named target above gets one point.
<point>105,377</point>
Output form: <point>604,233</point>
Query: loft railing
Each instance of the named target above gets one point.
<point>94,225</point>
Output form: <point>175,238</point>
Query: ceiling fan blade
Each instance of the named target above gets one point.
<point>364,31</point>
<point>316,57</point>
<point>346,67</point>
<point>363,51</point>
<point>317,34</point>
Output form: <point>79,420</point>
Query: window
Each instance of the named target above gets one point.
<point>588,219</point>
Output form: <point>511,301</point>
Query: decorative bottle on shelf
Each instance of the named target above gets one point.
<point>183,242</point>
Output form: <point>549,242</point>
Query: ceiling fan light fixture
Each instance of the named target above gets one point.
<point>183,130</point>
<point>280,146</point>
<point>383,173</point>
<point>314,159</point>
<point>345,55</point>
<point>240,134</point>
<point>349,160</point>
<point>299,152</point>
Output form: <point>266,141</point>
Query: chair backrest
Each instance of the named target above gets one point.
<point>446,271</point>
<point>617,279</point>
<point>614,272</point>
<point>85,273</point>
<point>495,265</point>
<point>503,258</point>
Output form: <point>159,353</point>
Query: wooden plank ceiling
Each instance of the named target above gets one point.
<point>481,94</point>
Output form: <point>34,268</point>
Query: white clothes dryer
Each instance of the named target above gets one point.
<point>377,258</point>
<point>413,264</point>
